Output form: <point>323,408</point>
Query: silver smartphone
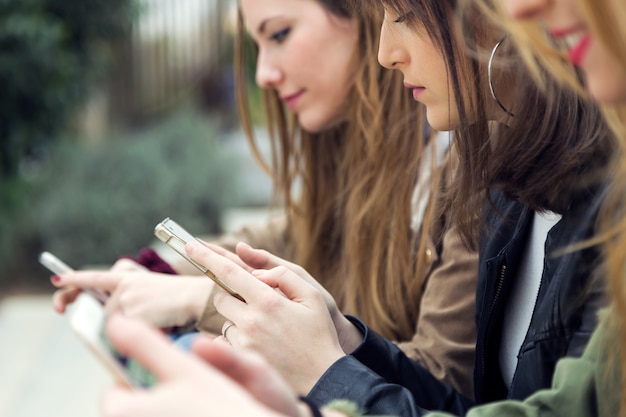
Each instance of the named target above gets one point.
<point>57,266</point>
<point>176,237</point>
<point>87,319</point>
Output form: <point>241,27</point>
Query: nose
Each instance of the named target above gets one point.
<point>268,73</point>
<point>525,9</point>
<point>390,53</point>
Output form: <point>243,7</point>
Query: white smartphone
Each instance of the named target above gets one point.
<point>176,237</point>
<point>87,318</point>
<point>57,266</point>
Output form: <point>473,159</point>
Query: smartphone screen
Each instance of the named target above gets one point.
<point>136,374</point>
<point>87,318</point>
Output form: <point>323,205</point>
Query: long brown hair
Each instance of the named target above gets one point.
<point>550,124</point>
<point>347,190</point>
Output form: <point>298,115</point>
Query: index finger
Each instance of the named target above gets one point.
<point>228,254</point>
<point>240,280</point>
<point>103,280</point>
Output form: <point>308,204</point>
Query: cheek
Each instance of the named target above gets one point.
<point>605,77</point>
<point>607,89</point>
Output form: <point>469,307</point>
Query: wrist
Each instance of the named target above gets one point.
<point>350,336</point>
<point>199,296</point>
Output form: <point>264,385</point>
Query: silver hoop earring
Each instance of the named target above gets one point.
<point>489,71</point>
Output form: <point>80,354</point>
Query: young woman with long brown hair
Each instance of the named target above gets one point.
<point>351,161</point>
<point>591,385</point>
<point>530,183</point>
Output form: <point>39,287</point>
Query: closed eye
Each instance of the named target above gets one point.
<point>404,18</point>
<point>281,35</point>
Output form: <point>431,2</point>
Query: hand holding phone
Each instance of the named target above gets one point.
<point>172,234</point>
<point>57,266</point>
<point>87,319</point>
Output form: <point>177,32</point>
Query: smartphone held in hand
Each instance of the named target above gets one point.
<point>87,319</point>
<point>175,236</point>
<point>57,266</point>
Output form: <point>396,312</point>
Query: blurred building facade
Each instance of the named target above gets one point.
<point>177,52</point>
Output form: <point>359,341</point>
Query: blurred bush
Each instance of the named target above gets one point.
<point>52,52</point>
<point>89,203</point>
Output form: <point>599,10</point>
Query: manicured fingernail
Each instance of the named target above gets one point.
<point>55,278</point>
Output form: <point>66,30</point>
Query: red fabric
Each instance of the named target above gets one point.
<point>149,258</point>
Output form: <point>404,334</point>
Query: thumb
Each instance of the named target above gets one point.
<point>238,365</point>
<point>250,371</point>
<point>119,401</point>
<point>149,347</point>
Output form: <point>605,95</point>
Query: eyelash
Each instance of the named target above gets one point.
<point>280,35</point>
<point>403,18</point>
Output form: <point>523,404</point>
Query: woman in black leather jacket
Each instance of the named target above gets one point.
<point>526,193</point>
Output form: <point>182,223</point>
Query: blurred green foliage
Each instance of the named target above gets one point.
<point>52,52</point>
<point>89,203</point>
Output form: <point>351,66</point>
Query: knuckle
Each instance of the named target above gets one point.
<point>270,301</point>
<point>227,270</point>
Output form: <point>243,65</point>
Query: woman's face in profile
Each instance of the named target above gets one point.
<point>410,50</point>
<point>605,78</point>
<point>304,53</point>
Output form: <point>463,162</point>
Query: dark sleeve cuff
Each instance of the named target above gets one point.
<point>348,379</point>
<point>386,360</point>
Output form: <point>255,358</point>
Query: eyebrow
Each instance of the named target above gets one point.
<point>264,23</point>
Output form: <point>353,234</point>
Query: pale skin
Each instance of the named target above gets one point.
<point>605,78</point>
<point>410,50</point>
<point>218,380</point>
<point>288,317</point>
<point>160,299</point>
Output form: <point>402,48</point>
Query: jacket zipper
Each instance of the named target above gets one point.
<point>491,307</point>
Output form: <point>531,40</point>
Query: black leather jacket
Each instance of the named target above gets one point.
<point>382,380</point>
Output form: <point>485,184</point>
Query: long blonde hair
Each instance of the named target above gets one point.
<point>350,222</point>
<point>606,20</point>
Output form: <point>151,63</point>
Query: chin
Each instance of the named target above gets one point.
<point>442,122</point>
<point>317,124</point>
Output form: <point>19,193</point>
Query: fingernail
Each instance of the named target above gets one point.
<point>55,278</point>
<point>258,272</point>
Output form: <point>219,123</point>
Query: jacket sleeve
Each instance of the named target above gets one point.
<point>584,386</point>
<point>445,337</point>
<point>271,237</point>
<point>381,379</point>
